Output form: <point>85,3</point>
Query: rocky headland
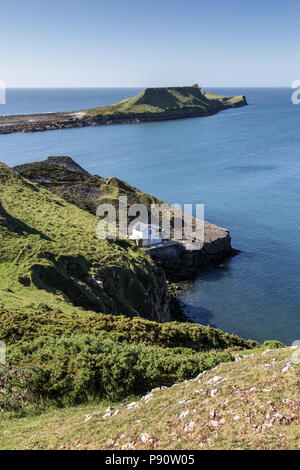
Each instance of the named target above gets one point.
<point>152,104</point>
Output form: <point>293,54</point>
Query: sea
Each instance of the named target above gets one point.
<point>243,164</point>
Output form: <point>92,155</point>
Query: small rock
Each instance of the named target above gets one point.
<point>87,418</point>
<point>184,414</point>
<point>238,357</point>
<point>286,368</point>
<point>213,380</point>
<point>213,424</point>
<point>145,438</point>
<point>214,392</point>
<point>200,375</point>
<point>149,398</point>
<point>134,404</point>
<point>130,446</point>
<point>190,427</point>
<point>267,351</point>
<point>223,380</point>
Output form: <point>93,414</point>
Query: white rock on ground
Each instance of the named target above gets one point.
<point>213,380</point>
<point>267,351</point>
<point>287,367</point>
<point>184,414</point>
<point>134,404</point>
<point>190,427</point>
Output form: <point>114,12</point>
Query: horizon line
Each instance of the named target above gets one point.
<point>142,87</point>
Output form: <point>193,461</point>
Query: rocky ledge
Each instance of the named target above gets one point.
<point>182,261</point>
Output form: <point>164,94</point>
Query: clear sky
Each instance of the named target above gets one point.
<point>149,43</point>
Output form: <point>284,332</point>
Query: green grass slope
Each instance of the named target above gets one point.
<point>249,404</point>
<point>49,251</point>
<point>170,99</point>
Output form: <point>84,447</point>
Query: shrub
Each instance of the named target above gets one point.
<point>273,344</point>
<point>71,369</point>
<point>23,325</point>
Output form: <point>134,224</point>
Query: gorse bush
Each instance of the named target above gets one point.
<point>25,325</point>
<point>72,369</point>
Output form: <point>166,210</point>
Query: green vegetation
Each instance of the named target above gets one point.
<point>71,309</point>
<point>74,369</point>
<point>171,99</point>
<point>50,250</point>
<point>64,358</point>
<point>60,286</point>
<point>257,407</point>
<point>22,325</point>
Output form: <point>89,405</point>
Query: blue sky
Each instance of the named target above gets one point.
<point>149,43</point>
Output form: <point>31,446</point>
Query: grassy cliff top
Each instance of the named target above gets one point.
<point>159,100</point>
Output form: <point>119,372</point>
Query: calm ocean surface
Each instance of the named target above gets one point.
<point>243,164</point>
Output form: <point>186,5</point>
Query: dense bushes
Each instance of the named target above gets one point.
<point>25,325</point>
<point>72,369</point>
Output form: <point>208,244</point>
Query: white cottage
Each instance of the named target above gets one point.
<point>146,234</point>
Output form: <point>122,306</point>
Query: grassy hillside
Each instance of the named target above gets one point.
<point>50,251</point>
<point>161,100</point>
<point>249,404</point>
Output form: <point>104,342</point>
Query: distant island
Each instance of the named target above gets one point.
<point>152,104</point>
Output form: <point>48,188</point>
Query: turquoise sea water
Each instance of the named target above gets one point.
<point>243,164</point>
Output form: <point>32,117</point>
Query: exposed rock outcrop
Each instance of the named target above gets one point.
<point>182,261</point>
